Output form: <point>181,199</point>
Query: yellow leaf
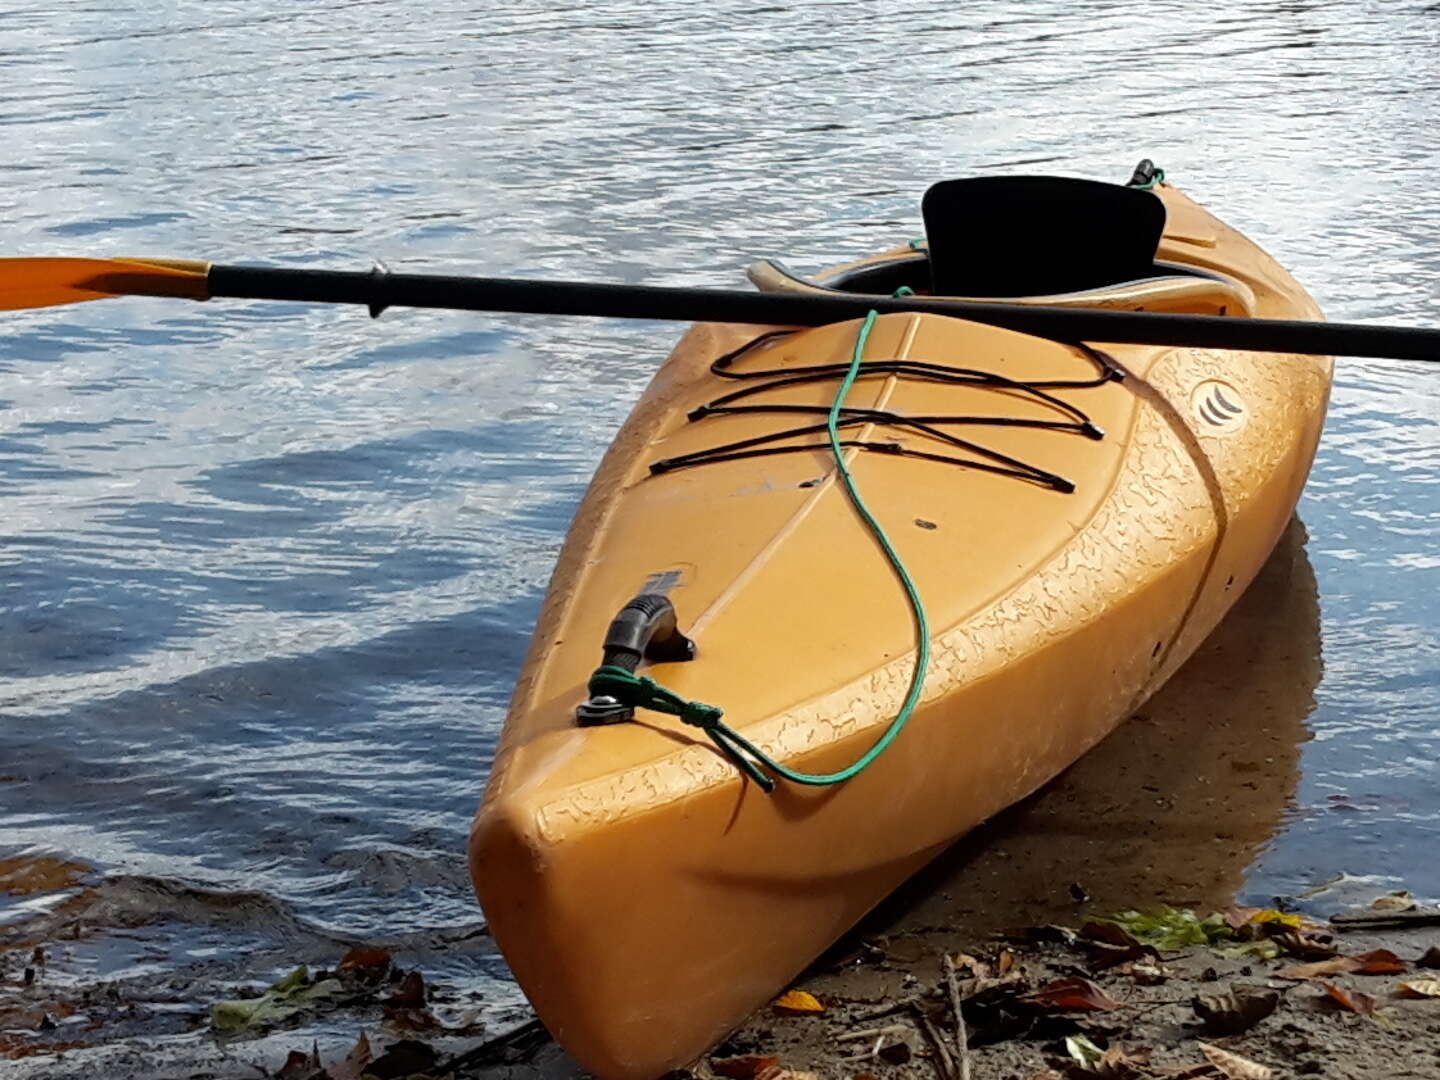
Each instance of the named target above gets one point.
<point>798,1001</point>
<point>1421,988</point>
<point>1271,915</point>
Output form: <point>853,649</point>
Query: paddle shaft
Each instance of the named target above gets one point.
<point>519,295</point>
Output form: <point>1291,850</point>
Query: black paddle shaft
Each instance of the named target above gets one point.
<point>379,290</point>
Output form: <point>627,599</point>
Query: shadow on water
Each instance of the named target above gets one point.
<point>1171,808</point>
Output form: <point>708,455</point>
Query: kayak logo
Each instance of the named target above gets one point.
<point>661,582</point>
<point>1219,406</point>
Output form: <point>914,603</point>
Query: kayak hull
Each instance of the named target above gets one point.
<point>646,896</point>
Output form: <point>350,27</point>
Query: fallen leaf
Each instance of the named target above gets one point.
<point>1420,988</point>
<point>402,1059</point>
<point>410,994</point>
<point>1261,949</point>
<point>978,969</point>
<point>1085,1052</point>
<point>1234,1066</point>
<point>1275,917</point>
<point>1396,901</point>
<point>356,1063</point>
<point>1101,957</point>
<point>1044,935</point>
<point>290,995</point>
<point>1234,1011</point>
<point>299,1065</point>
<point>1072,995</point>
<point>1005,962</point>
<point>896,1053</point>
<point>1431,959</point>
<point>1321,969</point>
<point>744,1067</point>
<point>1305,946</point>
<point>798,1003</point>
<point>1110,933</point>
<point>366,965</point>
<point>1172,928</point>
<point>1147,974</point>
<point>1354,1000</point>
<point>1237,915</point>
<point>1379,962</point>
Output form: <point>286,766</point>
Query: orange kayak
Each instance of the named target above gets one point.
<point>1075,519</point>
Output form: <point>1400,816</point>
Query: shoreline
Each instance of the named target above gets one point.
<point>1273,990</point>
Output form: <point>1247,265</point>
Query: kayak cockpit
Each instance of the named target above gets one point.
<point>985,237</point>
<point>1173,288</point>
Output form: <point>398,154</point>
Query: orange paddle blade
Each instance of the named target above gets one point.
<point>35,283</point>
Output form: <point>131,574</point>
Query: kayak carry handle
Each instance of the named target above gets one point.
<point>645,628</point>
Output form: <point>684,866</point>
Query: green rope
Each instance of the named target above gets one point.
<point>640,692</point>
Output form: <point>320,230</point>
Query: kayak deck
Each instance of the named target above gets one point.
<point>647,896</point>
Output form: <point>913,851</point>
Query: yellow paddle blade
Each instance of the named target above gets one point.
<point>35,283</point>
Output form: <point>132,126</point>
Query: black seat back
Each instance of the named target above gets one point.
<point>1038,235</point>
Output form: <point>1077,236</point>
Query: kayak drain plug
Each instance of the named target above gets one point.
<point>645,628</point>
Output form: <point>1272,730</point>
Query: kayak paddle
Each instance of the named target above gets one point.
<point>42,282</point>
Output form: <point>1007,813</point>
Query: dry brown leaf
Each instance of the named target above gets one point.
<point>896,1053</point>
<point>299,1066</point>
<point>978,969</point>
<point>1005,962</point>
<point>410,994</point>
<point>798,1003</point>
<point>745,1067</point>
<point>1236,1010</point>
<point>1321,969</point>
<point>1110,934</point>
<point>1188,1072</point>
<point>356,1062</point>
<point>1101,957</point>
<point>1379,962</point>
<point>369,963</point>
<point>1304,946</point>
<point>1420,988</point>
<point>1147,974</point>
<point>1397,901</point>
<point>1234,1066</point>
<point>1354,1000</point>
<point>1073,994</point>
<point>1431,959</point>
<point>1237,916</point>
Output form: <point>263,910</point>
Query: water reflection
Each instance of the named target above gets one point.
<point>1177,803</point>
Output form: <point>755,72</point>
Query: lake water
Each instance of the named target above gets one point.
<point>269,571</point>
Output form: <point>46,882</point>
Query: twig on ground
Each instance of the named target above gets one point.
<point>944,1063</point>
<point>962,1037</point>
<point>888,1010</point>
<point>865,1033</point>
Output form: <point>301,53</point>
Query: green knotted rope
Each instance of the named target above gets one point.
<point>638,691</point>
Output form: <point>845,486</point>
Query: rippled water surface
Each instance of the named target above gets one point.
<point>269,571</point>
